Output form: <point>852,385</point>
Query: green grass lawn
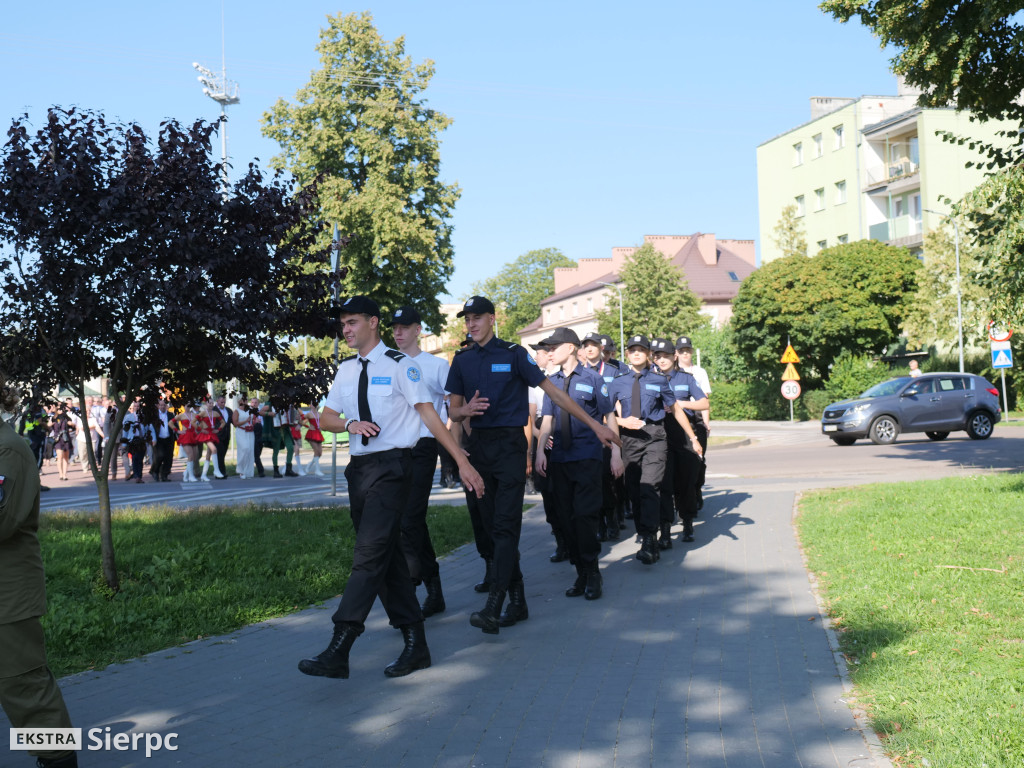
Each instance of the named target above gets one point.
<point>925,583</point>
<point>190,574</point>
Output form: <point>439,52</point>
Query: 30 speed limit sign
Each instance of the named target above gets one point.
<point>791,390</point>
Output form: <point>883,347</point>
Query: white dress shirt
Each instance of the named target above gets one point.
<point>394,388</point>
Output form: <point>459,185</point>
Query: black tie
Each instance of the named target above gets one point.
<point>635,405</point>
<point>364,401</point>
<point>566,426</point>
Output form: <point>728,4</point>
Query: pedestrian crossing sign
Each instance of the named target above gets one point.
<point>1002,355</point>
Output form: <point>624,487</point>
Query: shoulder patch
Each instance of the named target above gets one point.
<point>394,354</point>
<point>350,357</point>
<point>604,390</point>
<point>531,360</point>
<point>413,373</point>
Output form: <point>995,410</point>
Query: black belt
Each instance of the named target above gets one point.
<point>656,423</point>
<point>391,453</point>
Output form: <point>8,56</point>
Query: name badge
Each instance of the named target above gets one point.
<point>608,378</point>
<point>682,387</point>
<point>381,380</point>
<point>585,388</point>
<point>653,387</point>
<point>501,368</point>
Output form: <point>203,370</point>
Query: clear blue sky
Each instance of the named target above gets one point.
<point>577,125</point>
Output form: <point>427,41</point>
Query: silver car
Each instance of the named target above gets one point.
<point>933,403</point>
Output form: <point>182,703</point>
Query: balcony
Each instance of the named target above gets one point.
<point>902,231</point>
<point>905,172</point>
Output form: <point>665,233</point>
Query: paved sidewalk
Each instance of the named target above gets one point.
<point>715,656</point>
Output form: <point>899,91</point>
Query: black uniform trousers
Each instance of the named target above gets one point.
<point>499,455</point>
<point>163,457</point>
<point>576,494</point>
<point>644,452</point>
<point>679,490</point>
<point>378,491</point>
<point>257,448</point>
<point>416,545</point>
<point>223,442</point>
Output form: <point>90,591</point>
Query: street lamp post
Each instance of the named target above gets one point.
<point>959,295</point>
<point>224,92</point>
<point>622,338</point>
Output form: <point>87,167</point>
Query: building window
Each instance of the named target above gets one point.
<point>840,192</point>
<point>561,311</point>
<point>734,277</point>
<point>590,306</point>
<point>897,207</point>
<point>843,239</point>
<point>799,199</point>
<point>818,151</point>
<point>838,137</point>
<point>798,153</point>
<point>575,309</point>
<point>819,199</point>
<point>822,244</point>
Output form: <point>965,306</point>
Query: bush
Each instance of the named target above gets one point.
<point>852,374</point>
<point>748,401</point>
<point>812,404</point>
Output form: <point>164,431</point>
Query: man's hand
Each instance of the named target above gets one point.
<point>606,436</point>
<point>631,422</point>
<point>471,478</point>
<point>476,405</point>
<point>617,466</point>
<point>541,464</point>
<point>361,428</point>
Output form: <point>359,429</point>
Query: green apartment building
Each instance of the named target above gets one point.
<point>861,168</point>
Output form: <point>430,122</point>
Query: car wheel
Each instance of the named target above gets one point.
<point>979,425</point>
<point>844,440</point>
<point>937,435</point>
<point>884,430</point>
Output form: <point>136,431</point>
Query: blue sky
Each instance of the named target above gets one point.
<point>579,126</point>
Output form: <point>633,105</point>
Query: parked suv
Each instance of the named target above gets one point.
<point>933,403</point>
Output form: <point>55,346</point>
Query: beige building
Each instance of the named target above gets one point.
<point>713,269</point>
<point>863,168</point>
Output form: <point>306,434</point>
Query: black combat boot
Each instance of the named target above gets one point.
<point>665,539</point>
<point>434,602</point>
<point>277,472</point>
<point>332,662</point>
<point>687,529</point>
<point>594,583</point>
<point>561,554</point>
<point>288,472</point>
<point>579,586</point>
<point>485,585</point>
<point>487,619</point>
<point>516,609</point>
<point>415,656</point>
<point>648,554</point>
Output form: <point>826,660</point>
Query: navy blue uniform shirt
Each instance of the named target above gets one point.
<point>503,373</point>
<point>685,387</point>
<point>591,393</point>
<point>655,395</point>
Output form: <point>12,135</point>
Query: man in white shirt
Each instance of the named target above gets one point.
<point>385,401</point>
<point>406,326</point>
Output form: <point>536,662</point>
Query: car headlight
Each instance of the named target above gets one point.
<point>860,408</point>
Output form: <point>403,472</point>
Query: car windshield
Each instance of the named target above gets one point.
<point>890,387</point>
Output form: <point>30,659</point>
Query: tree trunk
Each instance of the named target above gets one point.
<point>106,535</point>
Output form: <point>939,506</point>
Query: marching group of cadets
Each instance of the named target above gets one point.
<point>611,437</point>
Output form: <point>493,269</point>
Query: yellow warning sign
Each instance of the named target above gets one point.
<point>789,356</point>
<point>790,373</point>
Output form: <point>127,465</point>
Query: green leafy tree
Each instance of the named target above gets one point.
<point>518,289</point>
<point>848,297</point>
<point>932,312</point>
<point>789,236</point>
<point>362,126</point>
<point>967,55</point>
<point>656,300</point>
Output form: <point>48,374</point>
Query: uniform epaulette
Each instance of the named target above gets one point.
<point>350,357</point>
<point>506,344</point>
<point>394,354</point>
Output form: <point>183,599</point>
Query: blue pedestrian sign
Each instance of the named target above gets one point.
<point>1002,355</point>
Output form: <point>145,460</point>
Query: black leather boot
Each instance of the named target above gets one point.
<point>487,619</point>
<point>516,609</point>
<point>665,539</point>
<point>560,554</point>
<point>415,656</point>
<point>289,472</point>
<point>579,586</point>
<point>648,554</point>
<point>434,602</point>
<point>687,529</point>
<point>332,662</point>
<point>485,585</point>
<point>277,472</point>
<point>594,583</point>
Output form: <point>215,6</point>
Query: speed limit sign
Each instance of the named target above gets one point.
<point>791,390</point>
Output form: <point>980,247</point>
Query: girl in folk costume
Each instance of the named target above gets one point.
<point>315,438</point>
<point>295,417</point>
<point>208,423</point>
<point>272,433</point>
<point>188,439</point>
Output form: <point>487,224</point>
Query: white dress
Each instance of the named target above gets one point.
<point>244,455</point>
